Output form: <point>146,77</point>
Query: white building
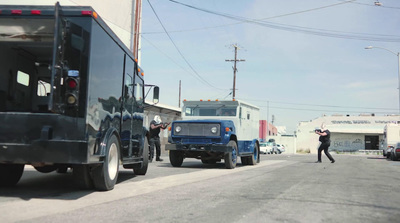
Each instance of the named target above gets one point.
<point>348,133</point>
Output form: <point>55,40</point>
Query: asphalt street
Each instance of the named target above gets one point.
<point>282,188</point>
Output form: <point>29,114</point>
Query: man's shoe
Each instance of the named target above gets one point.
<point>332,161</point>
<point>318,162</point>
<point>159,159</point>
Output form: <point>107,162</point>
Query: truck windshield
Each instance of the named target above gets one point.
<point>210,111</point>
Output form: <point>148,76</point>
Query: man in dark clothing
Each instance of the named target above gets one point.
<point>325,139</point>
<point>155,127</point>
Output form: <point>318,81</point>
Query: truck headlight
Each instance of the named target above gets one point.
<point>214,130</point>
<point>178,129</point>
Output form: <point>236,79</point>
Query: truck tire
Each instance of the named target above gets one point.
<point>105,175</point>
<point>175,158</point>
<point>143,170</point>
<point>231,157</point>
<point>82,177</point>
<point>254,159</point>
<point>10,174</point>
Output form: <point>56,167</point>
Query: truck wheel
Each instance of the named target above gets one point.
<point>10,174</point>
<point>231,157</point>
<point>105,176</point>
<point>143,170</point>
<point>81,176</point>
<point>175,158</point>
<point>254,159</point>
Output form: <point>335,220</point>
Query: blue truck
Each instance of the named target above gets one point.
<point>215,130</point>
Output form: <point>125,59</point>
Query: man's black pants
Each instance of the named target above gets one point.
<point>324,147</point>
<point>155,141</point>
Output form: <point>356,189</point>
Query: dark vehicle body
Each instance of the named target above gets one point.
<point>71,96</point>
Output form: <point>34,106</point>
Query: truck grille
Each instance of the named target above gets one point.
<point>197,129</point>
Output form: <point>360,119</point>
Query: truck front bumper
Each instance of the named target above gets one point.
<point>199,148</point>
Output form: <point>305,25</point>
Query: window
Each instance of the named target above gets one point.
<point>43,88</point>
<point>139,93</point>
<point>23,78</point>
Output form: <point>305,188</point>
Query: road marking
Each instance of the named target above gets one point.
<point>20,210</point>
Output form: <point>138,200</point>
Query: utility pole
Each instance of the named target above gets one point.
<point>137,16</point>
<point>234,68</point>
<point>179,93</point>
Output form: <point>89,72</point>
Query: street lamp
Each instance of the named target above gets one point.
<point>398,64</point>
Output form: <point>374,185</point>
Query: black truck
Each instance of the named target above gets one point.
<point>71,97</point>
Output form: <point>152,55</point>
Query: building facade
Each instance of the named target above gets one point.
<point>265,130</point>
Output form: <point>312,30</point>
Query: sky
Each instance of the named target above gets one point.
<point>303,59</point>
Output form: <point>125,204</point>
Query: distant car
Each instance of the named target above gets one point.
<point>389,152</point>
<point>264,149</point>
<point>272,148</point>
<point>281,147</point>
<point>395,152</point>
<point>385,151</point>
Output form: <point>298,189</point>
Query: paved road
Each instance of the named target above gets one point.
<point>281,188</point>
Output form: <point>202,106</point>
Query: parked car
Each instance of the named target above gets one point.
<point>389,152</point>
<point>263,148</point>
<point>281,147</point>
<point>272,148</point>
<point>395,152</point>
<point>386,151</point>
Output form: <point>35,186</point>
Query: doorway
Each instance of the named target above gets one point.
<point>372,142</point>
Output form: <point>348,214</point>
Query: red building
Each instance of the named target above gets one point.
<point>266,130</point>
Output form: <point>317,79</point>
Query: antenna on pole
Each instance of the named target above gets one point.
<point>234,68</point>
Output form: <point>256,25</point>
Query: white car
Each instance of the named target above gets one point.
<point>281,148</point>
<point>264,149</point>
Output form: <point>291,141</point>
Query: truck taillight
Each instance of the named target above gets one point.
<point>72,83</point>
<point>72,91</point>
<point>89,13</point>
<point>398,150</point>
<point>16,12</point>
<point>36,12</point>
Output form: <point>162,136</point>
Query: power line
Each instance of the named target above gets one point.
<point>386,110</point>
<point>318,105</point>
<point>166,55</point>
<point>300,29</point>
<point>373,5</point>
<point>180,53</point>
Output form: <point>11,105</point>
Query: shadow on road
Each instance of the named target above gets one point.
<point>34,184</point>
